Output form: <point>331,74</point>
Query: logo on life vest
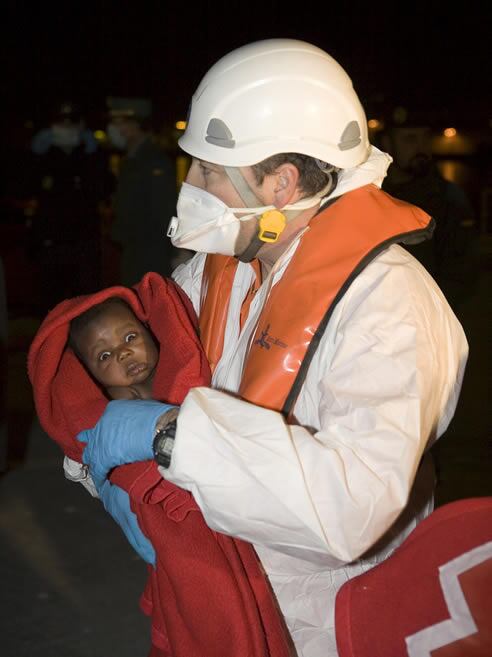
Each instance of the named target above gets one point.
<point>265,341</point>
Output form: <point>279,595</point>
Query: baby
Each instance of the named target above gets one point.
<point>112,354</point>
<point>116,348</point>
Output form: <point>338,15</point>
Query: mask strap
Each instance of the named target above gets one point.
<point>250,200</point>
<point>271,222</point>
<point>247,195</point>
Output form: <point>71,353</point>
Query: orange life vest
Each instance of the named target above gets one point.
<point>342,239</point>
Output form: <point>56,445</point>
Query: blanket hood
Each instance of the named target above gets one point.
<point>68,400</point>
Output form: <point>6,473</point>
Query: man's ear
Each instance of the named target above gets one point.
<point>285,185</point>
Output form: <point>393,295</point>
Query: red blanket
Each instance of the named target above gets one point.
<point>207,596</point>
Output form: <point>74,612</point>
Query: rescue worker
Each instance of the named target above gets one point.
<point>336,359</point>
<point>70,182</point>
<point>451,257</point>
<point>145,196</point>
<point>3,375</point>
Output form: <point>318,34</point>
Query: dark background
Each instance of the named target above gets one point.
<point>70,582</point>
<point>422,54</point>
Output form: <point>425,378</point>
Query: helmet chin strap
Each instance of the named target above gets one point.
<point>250,200</point>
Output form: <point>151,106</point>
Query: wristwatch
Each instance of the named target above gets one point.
<point>163,444</point>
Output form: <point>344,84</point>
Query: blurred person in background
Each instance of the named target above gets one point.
<point>146,194</point>
<point>70,181</point>
<point>451,257</point>
<point>3,371</point>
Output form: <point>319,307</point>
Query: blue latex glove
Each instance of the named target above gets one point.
<point>124,434</point>
<point>117,503</point>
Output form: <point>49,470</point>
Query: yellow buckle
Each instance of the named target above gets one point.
<point>272,224</point>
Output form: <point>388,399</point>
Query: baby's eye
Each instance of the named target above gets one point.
<point>104,355</point>
<point>130,337</point>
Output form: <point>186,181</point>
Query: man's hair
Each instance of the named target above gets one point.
<point>81,322</point>
<point>314,175</point>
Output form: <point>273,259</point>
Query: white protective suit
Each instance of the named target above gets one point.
<point>382,386</point>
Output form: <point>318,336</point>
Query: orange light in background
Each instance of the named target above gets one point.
<point>114,164</point>
<point>450,142</point>
<point>181,125</point>
<point>374,124</point>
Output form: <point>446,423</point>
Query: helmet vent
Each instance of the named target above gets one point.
<point>219,134</point>
<point>351,137</point>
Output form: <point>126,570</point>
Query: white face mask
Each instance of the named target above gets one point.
<point>207,225</point>
<point>204,222</point>
<point>65,136</point>
<point>115,137</point>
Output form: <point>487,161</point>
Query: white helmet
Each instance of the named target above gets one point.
<point>276,96</point>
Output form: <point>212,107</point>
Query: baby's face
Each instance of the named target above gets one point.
<point>117,349</point>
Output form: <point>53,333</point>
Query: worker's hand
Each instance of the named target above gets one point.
<point>117,503</point>
<point>124,434</point>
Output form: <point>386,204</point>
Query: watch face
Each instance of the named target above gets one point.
<point>163,444</point>
<point>162,455</point>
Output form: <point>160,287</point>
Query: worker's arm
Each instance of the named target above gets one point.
<point>384,383</point>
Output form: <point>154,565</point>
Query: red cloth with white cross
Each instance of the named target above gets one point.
<point>432,597</point>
